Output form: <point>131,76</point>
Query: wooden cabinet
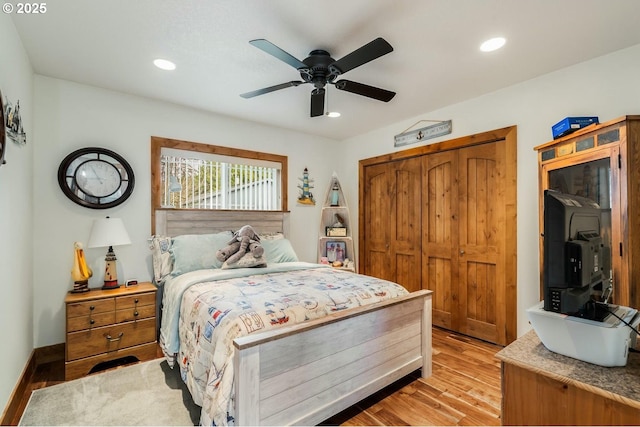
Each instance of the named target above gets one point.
<point>335,241</point>
<point>602,162</point>
<point>533,398</point>
<point>104,325</point>
<point>541,388</point>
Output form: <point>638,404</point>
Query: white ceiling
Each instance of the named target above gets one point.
<point>436,61</point>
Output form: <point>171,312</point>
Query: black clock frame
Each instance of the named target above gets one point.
<point>90,201</point>
<point>3,133</point>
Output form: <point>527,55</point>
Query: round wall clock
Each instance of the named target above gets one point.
<point>96,178</point>
<point>3,133</point>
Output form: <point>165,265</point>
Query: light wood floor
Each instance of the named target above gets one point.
<point>463,390</point>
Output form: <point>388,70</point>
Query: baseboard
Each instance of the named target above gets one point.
<point>50,353</point>
<point>38,357</point>
<point>18,392</point>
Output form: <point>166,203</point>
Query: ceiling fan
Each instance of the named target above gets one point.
<point>320,69</point>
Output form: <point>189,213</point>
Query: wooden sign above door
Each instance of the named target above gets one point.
<point>429,132</point>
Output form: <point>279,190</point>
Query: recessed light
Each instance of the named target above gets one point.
<point>164,64</point>
<point>493,44</point>
<point>333,114</point>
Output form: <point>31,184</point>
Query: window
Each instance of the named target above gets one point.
<point>187,175</point>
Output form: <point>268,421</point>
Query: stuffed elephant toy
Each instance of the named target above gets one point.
<point>245,240</point>
<point>223,254</point>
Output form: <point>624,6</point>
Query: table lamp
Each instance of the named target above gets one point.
<point>109,232</point>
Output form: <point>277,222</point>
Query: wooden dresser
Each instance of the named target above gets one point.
<point>104,325</point>
<point>540,387</point>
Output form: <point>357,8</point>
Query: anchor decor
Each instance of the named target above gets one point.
<point>306,197</point>
<point>442,127</point>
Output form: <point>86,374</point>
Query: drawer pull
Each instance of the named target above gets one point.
<point>135,313</point>
<point>92,321</point>
<point>92,307</point>
<point>136,300</point>
<point>111,339</point>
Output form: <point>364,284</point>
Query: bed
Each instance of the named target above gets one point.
<point>290,358</point>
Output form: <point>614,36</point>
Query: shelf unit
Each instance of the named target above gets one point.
<point>331,211</point>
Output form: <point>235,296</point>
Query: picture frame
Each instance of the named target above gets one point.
<point>336,250</point>
<point>336,231</point>
<point>13,122</point>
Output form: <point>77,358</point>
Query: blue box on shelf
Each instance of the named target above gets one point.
<point>571,124</point>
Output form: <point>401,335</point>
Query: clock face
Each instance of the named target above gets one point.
<point>96,178</point>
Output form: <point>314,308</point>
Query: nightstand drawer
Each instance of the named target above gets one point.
<point>133,313</point>
<point>94,320</point>
<point>132,301</point>
<point>110,338</point>
<point>86,308</point>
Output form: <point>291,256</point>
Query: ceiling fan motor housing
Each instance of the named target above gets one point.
<point>318,72</point>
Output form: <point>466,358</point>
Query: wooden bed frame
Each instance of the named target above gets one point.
<point>306,373</point>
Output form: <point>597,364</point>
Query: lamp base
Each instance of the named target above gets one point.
<point>111,284</point>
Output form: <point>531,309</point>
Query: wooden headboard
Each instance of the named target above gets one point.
<point>176,222</point>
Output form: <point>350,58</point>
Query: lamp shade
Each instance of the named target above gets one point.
<point>108,232</point>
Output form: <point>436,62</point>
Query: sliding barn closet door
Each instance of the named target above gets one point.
<point>392,222</point>
<point>463,229</point>
<point>482,218</point>
<point>443,217</point>
<point>440,235</point>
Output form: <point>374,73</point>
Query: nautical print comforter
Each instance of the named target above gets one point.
<point>204,311</point>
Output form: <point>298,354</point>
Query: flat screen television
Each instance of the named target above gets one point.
<point>574,257</point>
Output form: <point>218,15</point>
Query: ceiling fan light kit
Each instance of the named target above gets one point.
<point>320,69</point>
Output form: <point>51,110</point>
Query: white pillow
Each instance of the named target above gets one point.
<point>271,236</point>
<point>161,256</point>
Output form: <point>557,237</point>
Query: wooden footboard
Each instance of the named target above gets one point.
<point>308,372</point>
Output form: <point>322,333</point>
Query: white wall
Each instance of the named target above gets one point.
<point>607,87</point>
<point>16,209</point>
<point>69,116</point>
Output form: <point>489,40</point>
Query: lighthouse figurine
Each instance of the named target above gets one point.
<point>335,193</point>
<point>306,197</point>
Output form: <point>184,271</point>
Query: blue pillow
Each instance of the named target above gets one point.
<point>278,250</point>
<point>197,251</point>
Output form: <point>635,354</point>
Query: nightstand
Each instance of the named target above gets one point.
<point>105,325</point>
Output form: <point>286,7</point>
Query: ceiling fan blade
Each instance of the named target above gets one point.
<point>317,102</point>
<point>365,90</point>
<point>274,50</point>
<point>271,89</point>
<point>358,57</point>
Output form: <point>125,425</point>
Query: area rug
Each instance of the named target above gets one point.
<point>148,393</point>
